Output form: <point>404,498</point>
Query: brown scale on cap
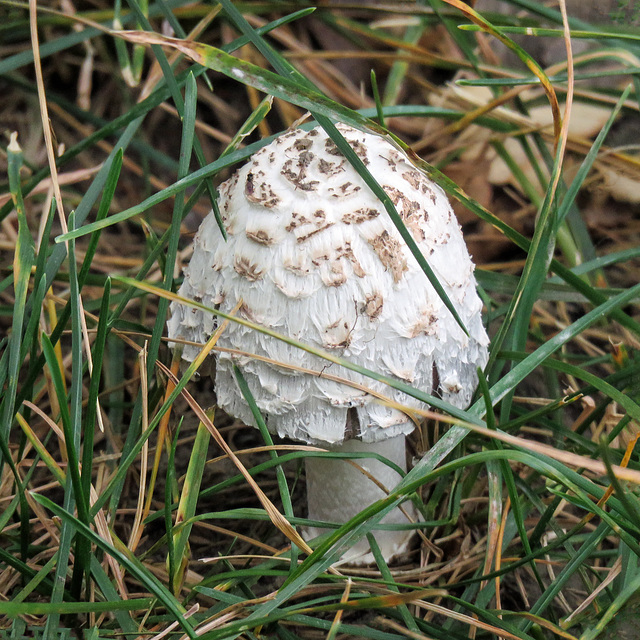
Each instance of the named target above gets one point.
<point>261,236</point>
<point>360,215</point>
<point>345,190</point>
<point>413,178</point>
<point>258,191</point>
<point>373,305</point>
<point>347,252</point>
<point>329,169</point>
<point>244,267</point>
<point>389,251</point>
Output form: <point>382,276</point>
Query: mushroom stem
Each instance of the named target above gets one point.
<point>337,491</point>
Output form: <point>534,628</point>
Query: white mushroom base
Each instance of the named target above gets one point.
<point>337,491</point>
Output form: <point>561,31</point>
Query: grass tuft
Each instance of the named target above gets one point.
<point>129,507</point>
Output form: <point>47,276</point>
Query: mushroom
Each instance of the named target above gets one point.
<point>312,254</point>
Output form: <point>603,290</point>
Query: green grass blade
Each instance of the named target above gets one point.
<point>399,68</point>
<point>137,59</point>
<point>405,614</point>
<point>73,435</point>
<point>111,595</point>
<point>520,371</point>
<point>351,531</point>
<point>377,100</point>
<point>189,500</point>
<point>34,582</point>
<point>24,258</point>
<point>186,152</point>
<point>14,609</point>
<point>590,158</point>
<point>605,385</point>
<point>23,261</point>
<point>171,191</point>
<point>91,416</point>
<point>72,485</point>
<point>170,485</point>
<point>111,182</point>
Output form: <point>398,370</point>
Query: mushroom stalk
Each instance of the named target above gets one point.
<point>337,491</point>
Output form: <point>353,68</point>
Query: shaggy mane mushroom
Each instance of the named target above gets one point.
<point>312,254</point>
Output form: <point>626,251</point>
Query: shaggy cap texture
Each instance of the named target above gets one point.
<point>313,254</point>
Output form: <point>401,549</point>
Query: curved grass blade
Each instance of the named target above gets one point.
<point>285,496</point>
<point>392,382</point>
<point>297,84</point>
<point>255,76</point>
<point>576,34</point>
<point>515,376</point>
<point>529,62</point>
<point>330,550</point>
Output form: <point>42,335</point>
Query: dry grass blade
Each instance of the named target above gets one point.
<point>142,510</point>
<point>563,133</point>
<point>395,626</point>
<point>172,627</point>
<point>592,597</point>
<point>476,18</point>
<point>276,517</point>
<point>335,624</point>
<point>471,622</point>
<point>51,156</point>
<point>44,114</point>
<point>566,457</point>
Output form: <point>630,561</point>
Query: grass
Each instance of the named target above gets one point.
<point>129,507</point>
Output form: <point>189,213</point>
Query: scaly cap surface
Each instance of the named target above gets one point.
<point>313,254</point>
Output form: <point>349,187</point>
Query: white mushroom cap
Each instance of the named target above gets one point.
<point>313,255</point>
